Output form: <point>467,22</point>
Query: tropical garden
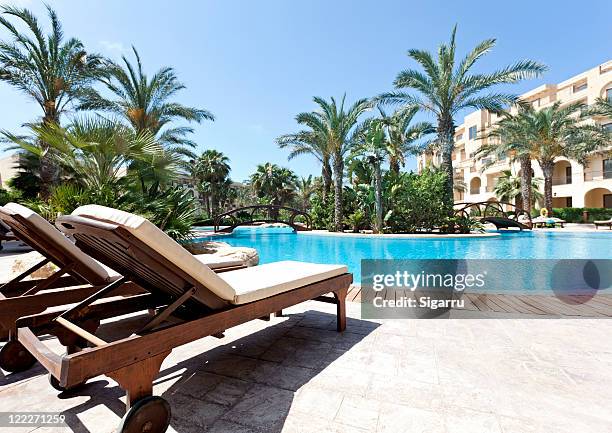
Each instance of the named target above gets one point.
<point>112,133</point>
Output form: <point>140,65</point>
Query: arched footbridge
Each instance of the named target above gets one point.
<point>493,212</point>
<point>259,214</point>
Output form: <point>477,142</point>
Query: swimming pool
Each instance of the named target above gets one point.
<point>275,244</point>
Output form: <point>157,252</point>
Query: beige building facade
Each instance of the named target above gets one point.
<point>574,185</point>
<point>8,169</point>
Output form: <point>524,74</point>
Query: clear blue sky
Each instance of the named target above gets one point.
<point>255,64</point>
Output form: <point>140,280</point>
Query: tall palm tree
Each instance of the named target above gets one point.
<point>372,146</point>
<point>402,134</point>
<point>146,103</point>
<point>507,139</point>
<point>334,125</point>
<point>446,87</point>
<point>51,70</point>
<point>310,143</point>
<point>212,168</point>
<point>554,132</point>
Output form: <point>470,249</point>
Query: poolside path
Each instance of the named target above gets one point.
<point>295,374</point>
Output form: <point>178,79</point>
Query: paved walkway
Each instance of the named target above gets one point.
<point>296,374</point>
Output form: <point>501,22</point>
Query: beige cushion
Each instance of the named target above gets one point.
<point>163,244</point>
<point>263,281</point>
<point>61,242</point>
<point>213,262</point>
<point>216,262</point>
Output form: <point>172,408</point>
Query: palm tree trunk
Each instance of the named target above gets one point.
<point>394,165</point>
<point>47,172</point>
<point>338,177</point>
<point>378,201</point>
<point>326,173</point>
<point>446,133</point>
<point>48,169</point>
<point>547,169</point>
<point>212,199</point>
<point>526,175</point>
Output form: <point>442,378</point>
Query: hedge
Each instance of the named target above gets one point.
<point>574,214</point>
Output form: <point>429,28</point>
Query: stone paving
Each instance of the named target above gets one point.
<point>296,374</point>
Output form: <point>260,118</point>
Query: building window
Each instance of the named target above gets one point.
<point>568,202</point>
<point>607,168</point>
<point>459,137</point>
<point>580,87</point>
<point>609,94</point>
<point>472,133</point>
<point>607,126</point>
<point>568,175</point>
<point>607,201</point>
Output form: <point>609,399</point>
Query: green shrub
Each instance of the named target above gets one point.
<point>356,221</point>
<point>322,212</point>
<point>7,196</point>
<point>466,224</point>
<point>574,214</point>
<point>417,204</point>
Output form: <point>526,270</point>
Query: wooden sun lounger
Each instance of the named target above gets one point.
<point>20,297</point>
<point>188,306</point>
<point>603,223</point>
<point>78,277</point>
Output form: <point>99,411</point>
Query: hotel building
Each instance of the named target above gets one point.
<point>574,185</point>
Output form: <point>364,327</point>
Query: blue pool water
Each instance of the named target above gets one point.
<point>275,244</point>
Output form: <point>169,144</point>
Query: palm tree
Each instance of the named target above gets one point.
<point>402,134</point>
<point>373,147</point>
<point>274,184</point>
<point>509,189</point>
<point>333,126</point>
<point>49,69</point>
<point>554,132</point>
<point>146,103</point>
<point>212,168</point>
<point>507,139</point>
<point>155,173</point>
<point>603,107</point>
<point>310,143</point>
<point>305,187</point>
<point>93,152</point>
<point>446,88</point>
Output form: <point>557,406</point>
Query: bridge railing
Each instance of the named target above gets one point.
<point>493,209</point>
<point>264,213</point>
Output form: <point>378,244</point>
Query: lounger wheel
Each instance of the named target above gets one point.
<point>148,415</point>
<point>56,384</point>
<point>15,358</point>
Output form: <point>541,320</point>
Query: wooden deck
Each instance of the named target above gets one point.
<point>544,305</point>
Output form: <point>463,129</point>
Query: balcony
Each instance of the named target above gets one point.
<point>562,180</point>
<point>592,175</point>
